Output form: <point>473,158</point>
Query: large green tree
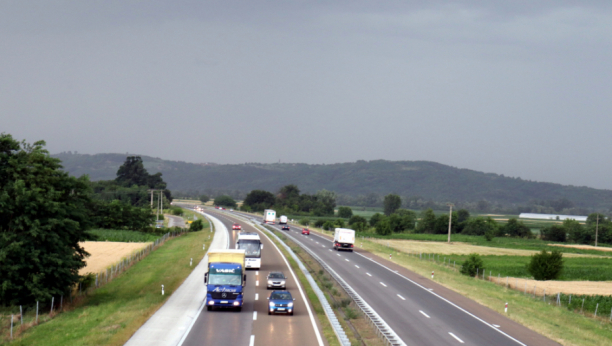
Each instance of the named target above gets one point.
<point>225,201</point>
<point>392,203</point>
<point>427,224</point>
<point>43,217</point>
<point>258,200</point>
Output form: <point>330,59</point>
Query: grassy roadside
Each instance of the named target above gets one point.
<point>559,324</point>
<point>112,313</point>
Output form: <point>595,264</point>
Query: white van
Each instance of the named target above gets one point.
<point>282,220</point>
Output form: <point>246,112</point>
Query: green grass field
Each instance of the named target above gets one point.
<point>123,236</point>
<point>575,269</point>
<point>112,313</point>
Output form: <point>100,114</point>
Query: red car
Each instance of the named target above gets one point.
<point>236,227</point>
<point>306,231</point>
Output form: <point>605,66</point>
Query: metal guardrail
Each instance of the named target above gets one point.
<point>383,330</point>
<point>329,311</point>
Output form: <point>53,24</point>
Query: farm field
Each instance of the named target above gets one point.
<point>553,287</point>
<point>105,254</point>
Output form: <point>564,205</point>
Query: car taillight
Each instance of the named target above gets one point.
<point>351,245</point>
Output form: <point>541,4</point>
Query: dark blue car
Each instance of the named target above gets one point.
<point>280,302</point>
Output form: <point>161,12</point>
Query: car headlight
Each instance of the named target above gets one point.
<point>290,304</point>
<point>269,282</point>
<point>271,303</point>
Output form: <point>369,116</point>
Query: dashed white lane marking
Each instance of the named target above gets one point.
<point>382,283</point>
<point>254,315</point>
<point>338,254</point>
<point>455,336</point>
<point>252,342</point>
<point>356,266</point>
<point>257,272</point>
<point>256,282</point>
<point>256,296</point>
<point>317,242</point>
<point>424,314</point>
<point>346,259</point>
<point>402,298</point>
<point>324,246</point>
<point>369,274</point>
<point>329,249</point>
<point>495,325</point>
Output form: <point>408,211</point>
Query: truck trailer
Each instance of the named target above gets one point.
<point>225,279</point>
<point>269,216</point>
<point>344,239</point>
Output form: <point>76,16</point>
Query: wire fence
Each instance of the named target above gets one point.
<point>16,319</point>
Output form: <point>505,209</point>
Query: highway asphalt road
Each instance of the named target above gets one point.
<point>253,326</point>
<point>420,311</point>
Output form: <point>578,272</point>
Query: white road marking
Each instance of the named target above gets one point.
<point>346,259</point>
<point>257,283</point>
<point>402,298</point>
<point>382,283</point>
<point>256,296</point>
<point>356,266</point>
<point>424,314</point>
<point>254,315</point>
<point>430,289</point>
<point>324,246</point>
<point>317,242</point>
<point>455,336</point>
<point>338,255</point>
<point>369,274</point>
<point>329,249</point>
<point>448,301</point>
<point>495,325</point>
<point>257,272</point>
<point>252,342</point>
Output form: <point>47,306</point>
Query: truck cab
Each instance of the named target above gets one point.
<point>225,279</point>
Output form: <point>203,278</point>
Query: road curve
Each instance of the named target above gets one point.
<point>246,327</point>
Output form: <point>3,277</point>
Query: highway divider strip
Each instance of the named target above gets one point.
<point>329,312</point>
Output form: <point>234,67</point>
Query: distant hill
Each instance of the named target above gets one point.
<point>429,180</point>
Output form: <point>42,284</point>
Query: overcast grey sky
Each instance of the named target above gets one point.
<point>520,89</point>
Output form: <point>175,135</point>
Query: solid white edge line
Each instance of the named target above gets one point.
<point>446,300</point>
<point>252,341</point>
<point>254,315</point>
<point>402,298</point>
<point>306,301</point>
<point>424,314</point>
<point>455,336</point>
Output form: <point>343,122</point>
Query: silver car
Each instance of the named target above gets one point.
<point>276,280</point>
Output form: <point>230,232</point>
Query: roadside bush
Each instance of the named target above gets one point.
<point>177,211</point>
<point>546,266</point>
<point>345,212</point>
<point>319,223</point>
<point>328,225</point>
<point>375,219</point>
<point>304,222</point>
<point>356,218</point>
<point>515,228</point>
<point>196,226</point>
<point>471,265</point>
<point>554,233</point>
<point>360,226</point>
<point>339,223</point>
<point>489,234</point>
<point>350,313</point>
<point>383,227</point>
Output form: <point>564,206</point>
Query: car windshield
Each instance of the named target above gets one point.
<point>281,295</point>
<point>276,276</point>
<point>251,248</point>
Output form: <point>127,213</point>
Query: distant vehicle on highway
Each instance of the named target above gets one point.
<point>251,244</point>
<point>269,216</point>
<point>282,220</point>
<point>344,239</point>
<point>280,302</point>
<point>276,280</point>
<point>236,227</point>
<point>285,227</point>
<point>225,280</point>
<point>305,231</point>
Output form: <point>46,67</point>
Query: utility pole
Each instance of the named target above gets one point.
<point>450,219</point>
<point>596,229</point>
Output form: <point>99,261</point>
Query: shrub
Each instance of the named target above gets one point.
<point>195,226</point>
<point>375,219</point>
<point>339,223</point>
<point>546,266</point>
<point>554,233</point>
<point>328,225</point>
<point>383,227</point>
<point>489,234</point>
<point>345,212</point>
<point>177,211</point>
<point>304,222</point>
<point>355,219</point>
<point>319,223</point>
<point>471,265</point>
<point>350,313</point>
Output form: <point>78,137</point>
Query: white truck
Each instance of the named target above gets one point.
<point>269,216</point>
<point>344,239</point>
<point>282,220</point>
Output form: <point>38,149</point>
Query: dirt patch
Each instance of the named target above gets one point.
<point>584,247</point>
<point>554,287</point>
<point>104,254</point>
<point>458,248</point>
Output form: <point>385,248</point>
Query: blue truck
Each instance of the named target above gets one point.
<point>225,279</point>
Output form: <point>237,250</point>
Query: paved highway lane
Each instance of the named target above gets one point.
<point>420,311</point>
<point>253,324</point>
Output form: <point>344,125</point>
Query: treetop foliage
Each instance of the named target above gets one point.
<point>289,201</point>
<point>545,265</point>
<point>392,202</point>
<point>225,201</point>
<point>43,217</point>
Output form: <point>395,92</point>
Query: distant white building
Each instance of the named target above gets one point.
<point>551,217</point>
